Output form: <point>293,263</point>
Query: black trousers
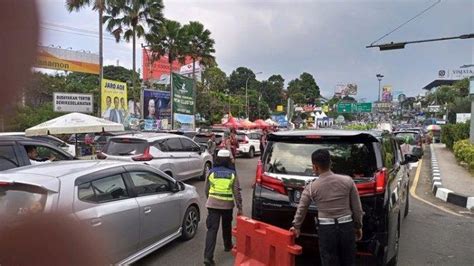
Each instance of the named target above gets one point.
<point>212,224</point>
<point>337,244</point>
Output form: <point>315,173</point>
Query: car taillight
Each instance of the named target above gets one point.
<point>3,184</point>
<point>376,186</point>
<point>101,156</point>
<point>269,182</point>
<point>146,156</point>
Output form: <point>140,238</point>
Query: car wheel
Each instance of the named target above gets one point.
<point>190,223</point>
<point>205,172</point>
<point>251,152</point>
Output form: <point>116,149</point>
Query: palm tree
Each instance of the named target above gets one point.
<point>128,19</point>
<point>200,46</point>
<point>168,38</point>
<point>99,6</point>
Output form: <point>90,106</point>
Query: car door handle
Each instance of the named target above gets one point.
<point>96,222</point>
<point>147,210</point>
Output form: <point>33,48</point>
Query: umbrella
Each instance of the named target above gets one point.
<point>73,123</point>
<point>433,128</point>
<point>232,123</point>
<point>247,124</point>
<point>260,123</point>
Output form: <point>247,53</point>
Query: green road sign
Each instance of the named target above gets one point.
<point>354,107</point>
<point>344,107</point>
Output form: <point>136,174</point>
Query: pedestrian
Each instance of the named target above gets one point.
<point>263,142</point>
<point>211,147</point>
<point>234,143</point>
<point>339,212</point>
<point>222,192</point>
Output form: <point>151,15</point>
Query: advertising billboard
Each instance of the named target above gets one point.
<point>345,89</point>
<point>156,109</point>
<point>183,101</point>
<point>455,73</point>
<point>73,102</point>
<point>67,60</point>
<point>387,93</point>
<point>114,105</point>
<point>187,70</point>
<point>159,70</point>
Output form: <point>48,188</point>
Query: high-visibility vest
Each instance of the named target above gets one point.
<point>221,182</point>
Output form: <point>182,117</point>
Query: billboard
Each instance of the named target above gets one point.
<point>387,93</point>
<point>159,70</point>
<point>183,122</point>
<point>73,102</point>
<point>183,95</point>
<point>67,60</point>
<point>346,89</point>
<point>461,73</point>
<point>114,101</point>
<point>156,109</point>
<point>187,70</point>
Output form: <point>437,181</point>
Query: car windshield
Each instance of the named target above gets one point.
<point>125,147</point>
<point>354,159</point>
<point>17,200</point>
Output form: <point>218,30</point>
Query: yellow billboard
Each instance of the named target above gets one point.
<point>67,60</point>
<point>279,108</point>
<point>114,100</point>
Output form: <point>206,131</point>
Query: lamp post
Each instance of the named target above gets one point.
<point>379,77</point>
<point>247,96</point>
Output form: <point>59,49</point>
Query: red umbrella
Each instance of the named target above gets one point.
<point>260,123</point>
<point>247,124</point>
<point>232,123</point>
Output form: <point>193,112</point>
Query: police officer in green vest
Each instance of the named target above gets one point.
<point>222,191</point>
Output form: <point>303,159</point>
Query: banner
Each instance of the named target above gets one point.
<point>159,70</point>
<point>67,60</point>
<point>73,102</point>
<point>183,96</point>
<point>387,93</point>
<point>156,109</point>
<point>455,74</point>
<point>187,70</point>
<point>183,122</point>
<point>342,90</point>
<point>114,92</point>
<point>279,108</point>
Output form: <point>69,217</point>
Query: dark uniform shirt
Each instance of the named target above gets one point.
<point>334,195</point>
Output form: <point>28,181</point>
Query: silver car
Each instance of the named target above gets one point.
<point>178,156</point>
<point>137,207</point>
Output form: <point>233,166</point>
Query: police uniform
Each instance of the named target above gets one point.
<point>223,192</point>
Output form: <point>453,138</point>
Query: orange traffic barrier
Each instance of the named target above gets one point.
<point>259,244</point>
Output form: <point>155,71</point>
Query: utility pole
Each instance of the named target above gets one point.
<point>471,92</point>
<point>379,77</point>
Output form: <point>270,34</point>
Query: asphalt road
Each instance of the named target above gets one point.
<point>429,236</point>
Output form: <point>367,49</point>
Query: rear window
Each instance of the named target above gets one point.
<point>402,137</point>
<point>125,147</point>
<point>354,159</point>
<point>17,200</point>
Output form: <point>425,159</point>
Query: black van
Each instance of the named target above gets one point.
<point>372,159</point>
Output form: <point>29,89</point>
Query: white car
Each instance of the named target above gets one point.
<point>249,143</point>
<point>176,155</point>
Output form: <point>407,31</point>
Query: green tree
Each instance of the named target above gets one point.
<point>29,116</point>
<point>169,39</point>
<point>239,78</point>
<point>272,91</point>
<point>305,85</point>
<point>128,19</point>
<point>215,79</point>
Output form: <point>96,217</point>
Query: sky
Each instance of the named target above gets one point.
<point>288,37</point>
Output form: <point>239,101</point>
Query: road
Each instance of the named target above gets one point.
<point>429,236</point>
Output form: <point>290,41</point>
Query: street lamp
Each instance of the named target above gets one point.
<point>379,77</point>
<point>247,96</point>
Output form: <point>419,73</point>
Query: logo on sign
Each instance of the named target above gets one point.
<point>442,73</point>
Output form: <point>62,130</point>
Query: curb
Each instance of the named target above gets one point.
<point>443,193</point>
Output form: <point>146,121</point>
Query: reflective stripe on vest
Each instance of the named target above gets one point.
<point>221,185</point>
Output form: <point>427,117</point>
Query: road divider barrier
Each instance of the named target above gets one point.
<point>259,244</point>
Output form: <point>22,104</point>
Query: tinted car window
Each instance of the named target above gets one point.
<point>149,183</point>
<point>161,145</point>
<point>103,190</point>
<point>7,158</point>
<point>47,152</point>
<point>125,147</point>
<point>174,144</point>
<point>17,200</point>
<point>295,158</point>
<point>188,145</point>
<point>201,138</point>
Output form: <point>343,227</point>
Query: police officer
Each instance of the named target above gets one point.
<point>222,190</point>
<point>339,212</point>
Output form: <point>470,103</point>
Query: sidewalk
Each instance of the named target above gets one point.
<point>454,176</point>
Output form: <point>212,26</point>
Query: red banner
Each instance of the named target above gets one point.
<point>160,67</point>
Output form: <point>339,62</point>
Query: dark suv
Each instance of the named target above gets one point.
<point>13,151</point>
<point>372,159</point>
